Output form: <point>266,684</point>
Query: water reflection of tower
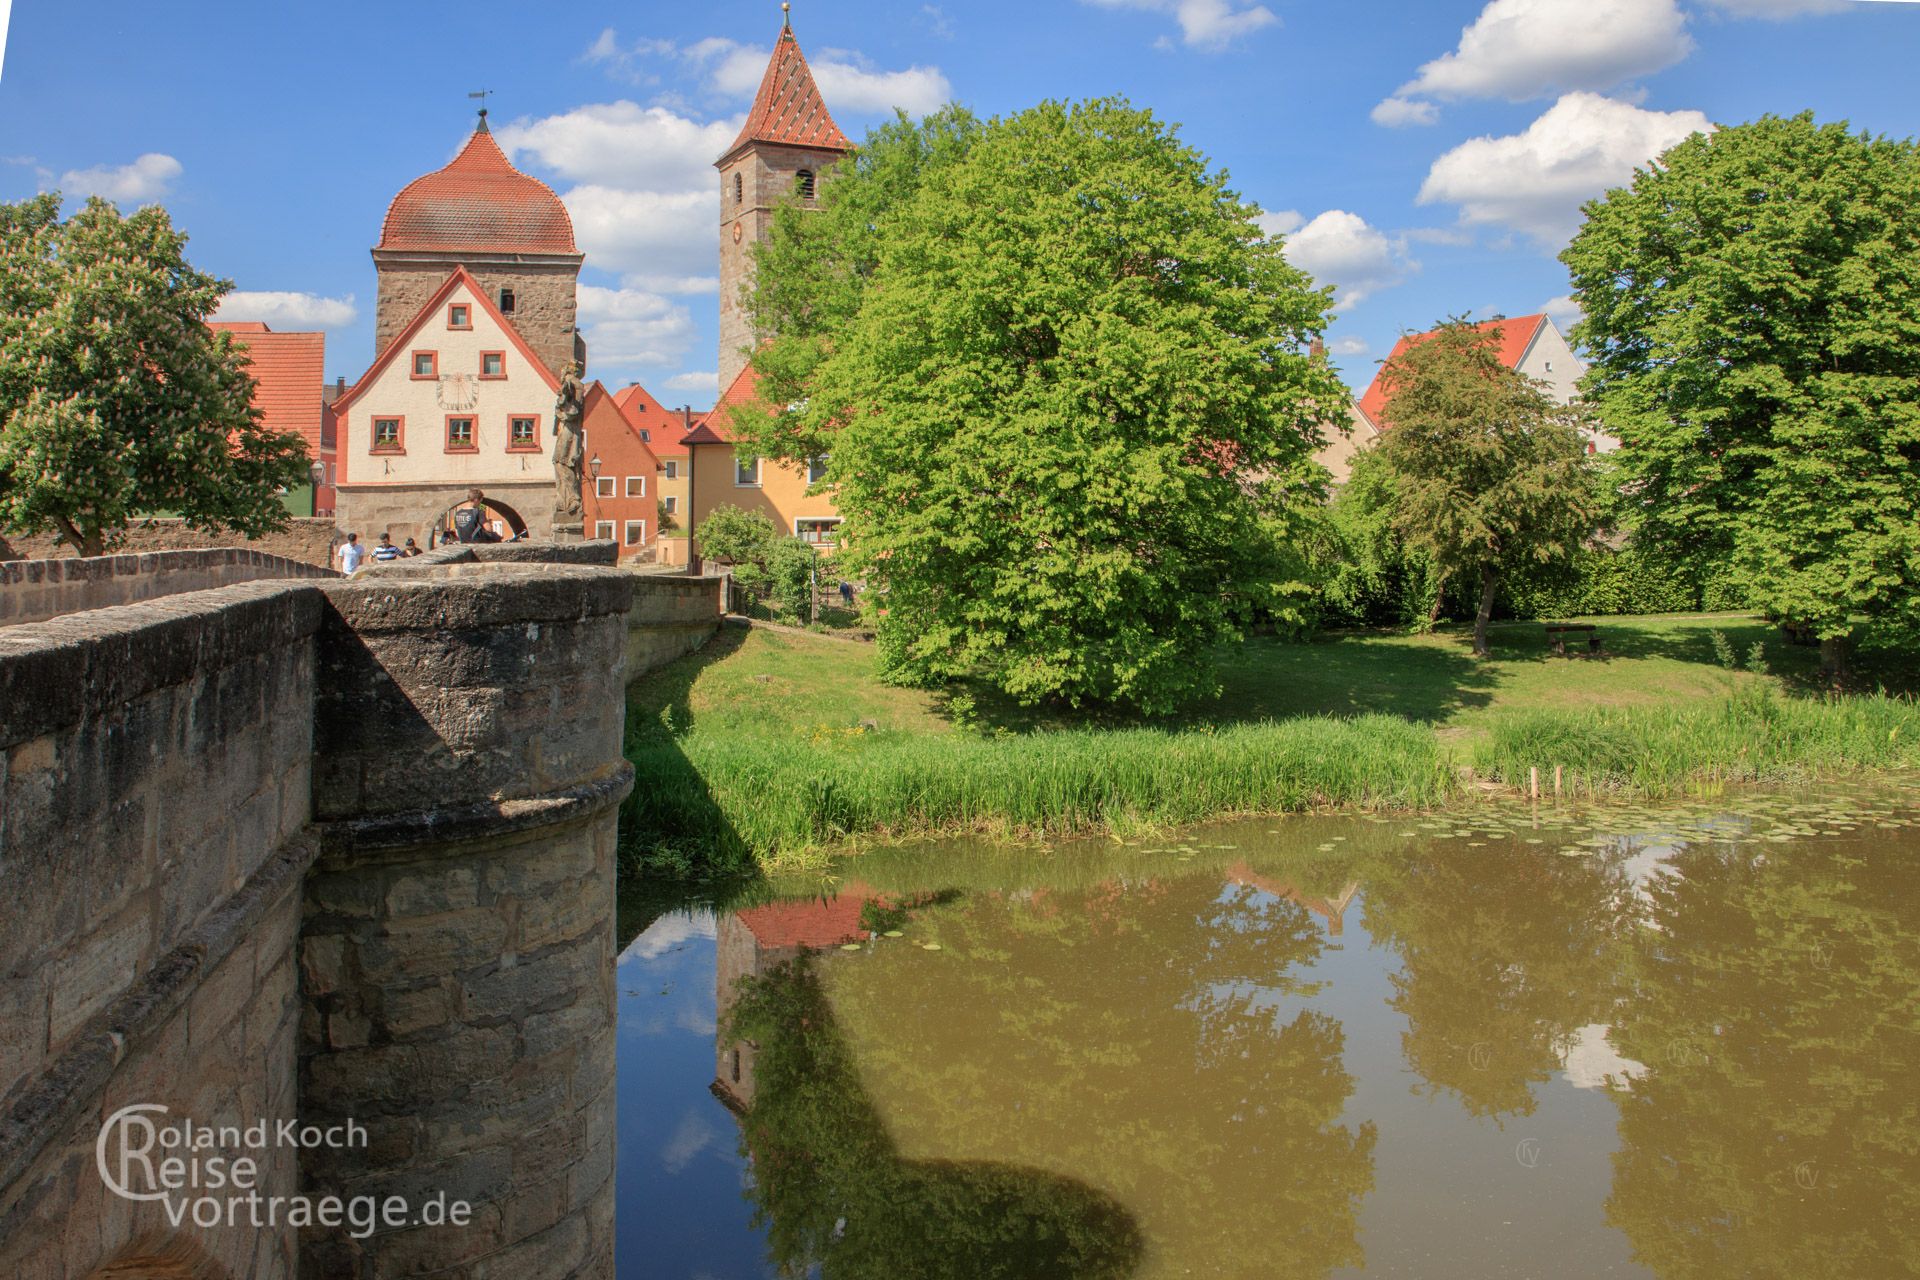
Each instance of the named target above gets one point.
<point>1333,910</point>
<point>753,942</point>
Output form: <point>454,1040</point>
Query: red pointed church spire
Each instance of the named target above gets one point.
<point>789,111</point>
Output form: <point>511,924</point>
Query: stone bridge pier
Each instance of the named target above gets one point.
<point>457,943</point>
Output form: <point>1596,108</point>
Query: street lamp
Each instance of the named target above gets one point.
<point>593,466</point>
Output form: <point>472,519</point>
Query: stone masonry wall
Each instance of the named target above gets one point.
<point>544,293</point>
<point>309,540</point>
<point>458,948</point>
<point>766,175</point>
<point>35,590</point>
<point>154,785</point>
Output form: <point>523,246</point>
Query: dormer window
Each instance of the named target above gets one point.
<point>506,302</point>
<point>459,316</point>
<point>803,183</point>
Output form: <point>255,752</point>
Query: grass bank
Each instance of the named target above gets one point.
<point>772,748</point>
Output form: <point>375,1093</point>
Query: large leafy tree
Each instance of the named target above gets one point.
<point>1752,311</point>
<point>1490,476</point>
<point>115,397</point>
<point>1065,401</point>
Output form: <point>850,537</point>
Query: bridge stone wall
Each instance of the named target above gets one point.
<point>35,590</point>
<point>320,852</point>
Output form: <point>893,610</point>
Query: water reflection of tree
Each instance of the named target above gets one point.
<point>1141,1038</point>
<point>833,1193</point>
<point>1778,1132</point>
<point>1505,955</point>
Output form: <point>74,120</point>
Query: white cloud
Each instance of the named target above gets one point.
<point>1341,249</point>
<point>1349,346</point>
<point>658,234</point>
<point>938,24</point>
<point>1564,311</point>
<point>1777,9</point>
<point>623,144</point>
<point>1519,49</point>
<point>146,179</point>
<point>630,327</point>
<point>1204,24</point>
<point>1284,222</point>
<point>1396,113</point>
<point>696,383</point>
<point>668,932</point>
<point>848,80</point>
<point>1535,182</point>
<point>281,309</point>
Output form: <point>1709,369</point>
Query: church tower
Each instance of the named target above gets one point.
<point>787,144</point>
<point>509,230</point>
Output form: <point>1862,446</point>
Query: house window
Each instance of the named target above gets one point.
<point>646,435</point>
<point>672,470</point>
<point>603,487</point>
<point>636,532</point>
<point>803,183</point>
<point>389,435</point>
<point>636,486</point>
<point>459,316</point>
<point>1549,366</point>
<point>493,364</point>
<point>523,432</point>
<point>460,434</point>
<point>817,469</point>
<point>746,472</point>
<point>603,530</point>
<point>816,529</point>
<point>426,364</point>
<point>670,504</point>
<point>506,302</point>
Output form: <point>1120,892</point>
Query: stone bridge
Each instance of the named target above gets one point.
<point>325,869</point>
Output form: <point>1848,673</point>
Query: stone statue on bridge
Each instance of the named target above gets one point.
<point>569,445</point>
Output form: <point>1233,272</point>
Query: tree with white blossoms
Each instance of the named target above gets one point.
<point>115,397</point>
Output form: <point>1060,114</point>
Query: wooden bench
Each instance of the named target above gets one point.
<point>1557,633</point>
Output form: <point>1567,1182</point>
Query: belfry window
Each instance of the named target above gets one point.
<point>739,189</point>
<point>803,183</point>
<point>506,302</point>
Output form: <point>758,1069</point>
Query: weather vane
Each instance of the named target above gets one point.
<point>482,95</point>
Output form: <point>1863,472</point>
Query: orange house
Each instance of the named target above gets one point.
<point>289,391</point>
<point>622,477</point>
<point>722,475</point>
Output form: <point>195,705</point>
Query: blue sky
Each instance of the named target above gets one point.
<point>1426,157</point>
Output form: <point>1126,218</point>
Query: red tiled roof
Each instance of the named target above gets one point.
<point>1516,335</point>
<point>789,110</point>
<point>664,426</point>
<point>288,370</point>
<point>479,201</point>
<point>820,923</point>
<point>716,428</point>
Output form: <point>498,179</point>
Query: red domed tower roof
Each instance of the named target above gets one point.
<point>479,201</point>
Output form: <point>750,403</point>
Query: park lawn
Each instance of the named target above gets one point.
<point>772,746</point>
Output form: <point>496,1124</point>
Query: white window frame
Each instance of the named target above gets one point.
<point>672,469</point>
<point>827,541</point>
<point>816,464</point>
<point>632,525</point>
<point>603,531</point>
<point>738,483</point>
<point>670,504</point>
<point>603,487</point>
<point>636,480</point>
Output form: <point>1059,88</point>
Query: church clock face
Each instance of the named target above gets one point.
<point>736,233</point>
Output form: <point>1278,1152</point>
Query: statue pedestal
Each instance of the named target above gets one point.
<point>563,532</point>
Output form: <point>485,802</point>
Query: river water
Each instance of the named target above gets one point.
<point>1673,1042</point>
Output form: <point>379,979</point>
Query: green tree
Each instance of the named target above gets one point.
<point>115,397</point>
<point>735,535</point>
<point>1071,388</point>
<point>1489,474</point>
<point>1752,311</point>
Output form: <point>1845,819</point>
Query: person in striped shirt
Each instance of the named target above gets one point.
<point>384,550</point>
